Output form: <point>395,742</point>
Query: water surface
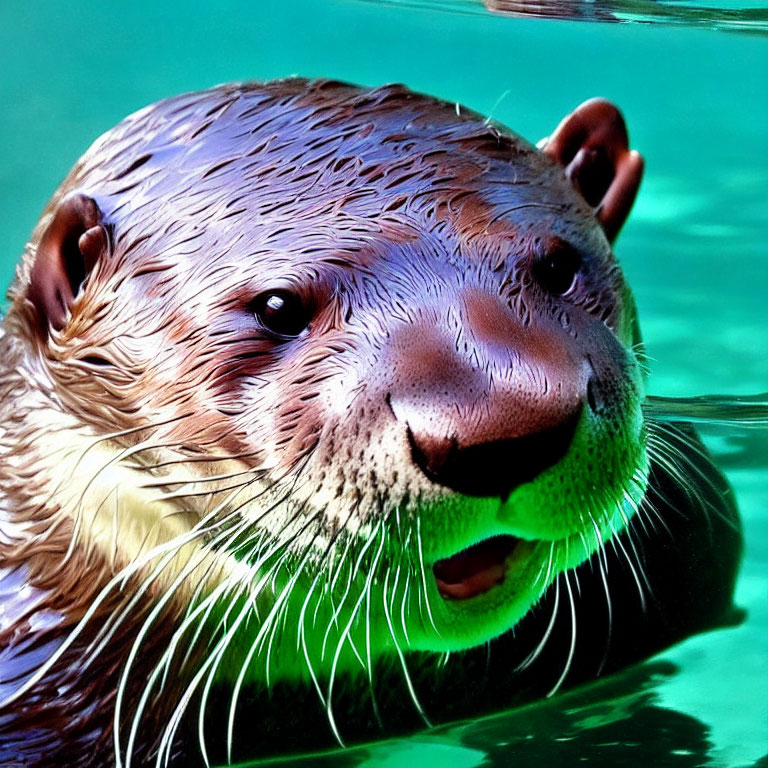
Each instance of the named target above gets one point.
<point>696,100</point>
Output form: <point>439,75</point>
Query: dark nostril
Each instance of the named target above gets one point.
<point>493,468</point>
<point>594,398</point>
<point>432,454</point>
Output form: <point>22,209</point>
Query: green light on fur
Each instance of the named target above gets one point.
<point>302,620</point>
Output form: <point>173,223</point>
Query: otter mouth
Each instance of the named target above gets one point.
<point>476,569</point>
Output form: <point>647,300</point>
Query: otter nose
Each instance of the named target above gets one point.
<point>493,468</point>
<point>492,408</point>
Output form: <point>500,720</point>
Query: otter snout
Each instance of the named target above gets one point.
<point>493,468</point>
<point>491,407</point>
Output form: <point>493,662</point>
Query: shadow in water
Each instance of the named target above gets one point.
<point>616,722</point>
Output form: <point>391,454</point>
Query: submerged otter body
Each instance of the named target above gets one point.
<point>304,385</point>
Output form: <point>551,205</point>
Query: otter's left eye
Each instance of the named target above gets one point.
<point>556,270</point>
<point>281,312</point>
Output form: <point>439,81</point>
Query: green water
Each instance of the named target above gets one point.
<point>696,101</point>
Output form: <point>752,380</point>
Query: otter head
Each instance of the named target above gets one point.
<point>369,355</point>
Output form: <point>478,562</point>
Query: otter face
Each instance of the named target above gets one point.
<point>376,355</point>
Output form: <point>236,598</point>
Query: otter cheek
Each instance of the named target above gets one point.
<point>591,494</point>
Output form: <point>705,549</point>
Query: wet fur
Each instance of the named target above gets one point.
<point>163,408</point>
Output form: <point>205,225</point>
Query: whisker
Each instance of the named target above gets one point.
<point>368,654</point>
<point>423,580</point>
<point>602,564</point>
<point>256,644</point>
<point>400,655</point>
<point>377,533</point>
<point>572,647</point>
<point>117,580</point>
<point>536,652</point>
<point>137,643</point>
<point>302,638</point>
<point>617,543</point>
<point>212,662</point>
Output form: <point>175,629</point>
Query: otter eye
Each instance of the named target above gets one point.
<point>281,312</point>
<point>556,270</point>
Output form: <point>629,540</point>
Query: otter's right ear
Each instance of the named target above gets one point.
<point>592,145</point>
<point>68,249</point>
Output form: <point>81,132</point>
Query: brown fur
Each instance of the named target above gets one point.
<point>391,207</point>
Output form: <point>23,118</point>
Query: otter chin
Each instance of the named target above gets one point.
<point>323,393</point>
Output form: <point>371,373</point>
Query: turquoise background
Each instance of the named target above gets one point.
<point>696,101</point>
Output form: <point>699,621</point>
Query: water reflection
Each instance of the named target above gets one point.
<point>744,16</point>
<point>735,427</point>
<point>743,411</point>
<point>613,723</point>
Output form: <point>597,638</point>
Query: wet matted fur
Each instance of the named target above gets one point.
<point>313,389</point>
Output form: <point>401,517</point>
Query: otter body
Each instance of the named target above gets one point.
<point>302,387</point>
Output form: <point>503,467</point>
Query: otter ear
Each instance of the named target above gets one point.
<point>592,145</point>
<point>68,249</point>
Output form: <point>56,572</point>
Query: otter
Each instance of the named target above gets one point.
<point>323,394</point>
